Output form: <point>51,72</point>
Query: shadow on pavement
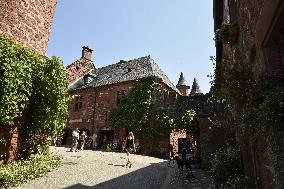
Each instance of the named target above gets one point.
<point>150,177</point>
<point>154,176</point>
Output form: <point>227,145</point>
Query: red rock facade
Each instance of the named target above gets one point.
<point>27,22</point>
<point>257,45</point>
<point>92,102</point>
<point>81,66</point>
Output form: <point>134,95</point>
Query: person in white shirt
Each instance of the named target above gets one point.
<point>75,138</point>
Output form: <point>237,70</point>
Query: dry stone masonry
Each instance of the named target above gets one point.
<point>27,22</point>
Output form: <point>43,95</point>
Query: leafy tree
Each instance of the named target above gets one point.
<point>136,112</point>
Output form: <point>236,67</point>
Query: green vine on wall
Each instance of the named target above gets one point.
<point>138,113</point>
<point>267,120</point>
<point>32,82</point>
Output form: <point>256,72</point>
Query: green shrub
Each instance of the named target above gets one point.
<point>237,182</point>
<point>19,172</point>
<point>226,164</point>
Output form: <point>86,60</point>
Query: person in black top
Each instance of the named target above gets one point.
<point>129,147</point>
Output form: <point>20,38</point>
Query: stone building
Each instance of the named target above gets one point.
<point>96,91</point>
<point>255,43</point>
<point>27,23</point>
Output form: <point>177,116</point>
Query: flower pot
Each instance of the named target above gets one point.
<point>233,34</point>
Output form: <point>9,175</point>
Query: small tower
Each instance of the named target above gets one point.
<point>195,88</point>
<point>182,85</point>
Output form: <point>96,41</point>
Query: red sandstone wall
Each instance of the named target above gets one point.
<point>106,100</point>
<point>78,69</point>
<point>12,136</point>
<point>253,18</point>
<point>174,136</point>
<point>27,22</point>
<point>82,118</point>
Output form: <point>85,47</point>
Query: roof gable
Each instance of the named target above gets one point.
<point>125,71</point>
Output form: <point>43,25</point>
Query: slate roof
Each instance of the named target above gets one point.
<point>123,71</point>
<point>182,81</point>
<point>195,87</point>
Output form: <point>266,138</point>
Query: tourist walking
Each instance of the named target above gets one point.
<point>82,140</point>
<point>95,141</point>
<point>172,155</point>
<point>129,147</point>
<point>75,138</point>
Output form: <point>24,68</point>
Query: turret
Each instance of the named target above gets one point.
<point>195,88</point>
<point>182,85</point>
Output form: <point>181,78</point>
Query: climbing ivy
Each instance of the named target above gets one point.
<point>34,83</point>
<point>267,120</point>
<point>137,112</point>
<point>16,67</point>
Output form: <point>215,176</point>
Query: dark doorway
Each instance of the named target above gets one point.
<point>67,137</point>
<point>105,137</point>
<point>88,132</point>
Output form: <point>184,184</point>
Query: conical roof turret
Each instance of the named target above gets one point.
<point>181,81</point>
<point>195,87</point>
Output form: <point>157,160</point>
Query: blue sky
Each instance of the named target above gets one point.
<point>178,34</point>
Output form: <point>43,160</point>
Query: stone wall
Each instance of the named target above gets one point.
<point>27,22</point>
<point>106,100</point>
<point>78,69</point>
<point>82,118</point>
<point>258,24</point>
<point>255,156</point>
<point>12,135</point>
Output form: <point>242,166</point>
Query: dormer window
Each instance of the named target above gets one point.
<point>88,79</point>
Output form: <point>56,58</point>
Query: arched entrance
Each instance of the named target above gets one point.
<point>67,137</point>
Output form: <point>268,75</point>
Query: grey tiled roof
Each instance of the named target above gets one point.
<point>182,81</point>
<point>195,87</point>
<point>124,71</point>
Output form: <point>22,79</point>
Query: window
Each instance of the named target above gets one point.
<point>78,103</point>
<point>119,96</point>
<point>226,17</point>
<point>230,12</point>
<point>87,79</point>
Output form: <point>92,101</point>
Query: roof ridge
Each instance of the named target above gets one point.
<point>126,61</point>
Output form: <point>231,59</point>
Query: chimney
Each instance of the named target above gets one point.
<point>87,53</point>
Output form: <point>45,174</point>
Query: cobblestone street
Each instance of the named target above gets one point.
<point>102,170</point>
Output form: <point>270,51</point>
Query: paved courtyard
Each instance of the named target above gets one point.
<point>106,170</point>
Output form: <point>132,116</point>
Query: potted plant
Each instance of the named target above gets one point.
<point>227,33</point>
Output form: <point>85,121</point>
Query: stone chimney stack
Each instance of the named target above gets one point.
<point>182,85</point>
<point>87,53</point>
